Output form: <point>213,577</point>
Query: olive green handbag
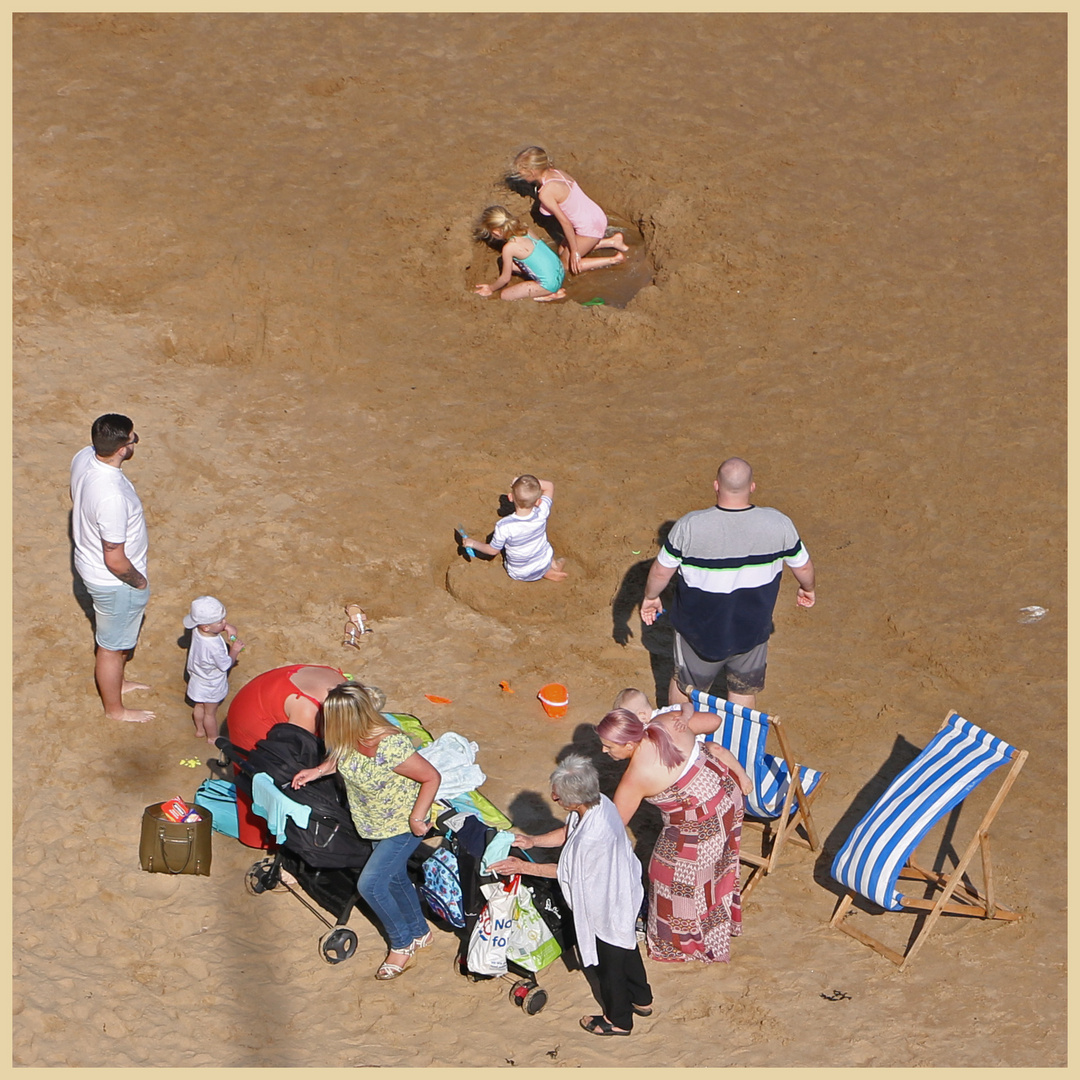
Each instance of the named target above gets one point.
<point>175,847</point>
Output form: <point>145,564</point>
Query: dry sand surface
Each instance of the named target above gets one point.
<point>251,233</point>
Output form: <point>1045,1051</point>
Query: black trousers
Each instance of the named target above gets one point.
<point>621,975</point>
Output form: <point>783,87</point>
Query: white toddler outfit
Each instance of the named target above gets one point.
<point>208,665</point>
<point>527,554</point>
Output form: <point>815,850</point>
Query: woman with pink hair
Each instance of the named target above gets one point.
<point>694,907</point>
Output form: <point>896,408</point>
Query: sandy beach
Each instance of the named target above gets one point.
<point>253,235</point>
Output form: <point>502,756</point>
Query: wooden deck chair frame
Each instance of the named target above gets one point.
<point>776,831</point>
<point>957,897</point>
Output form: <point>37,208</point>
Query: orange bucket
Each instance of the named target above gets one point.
<point>554,698</point>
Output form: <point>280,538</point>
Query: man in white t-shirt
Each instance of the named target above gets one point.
<point>109,530</point>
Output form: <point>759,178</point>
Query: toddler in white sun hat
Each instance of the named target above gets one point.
<point>209,659</point>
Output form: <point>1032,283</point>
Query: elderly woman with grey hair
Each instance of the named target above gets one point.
<point>601,879</point>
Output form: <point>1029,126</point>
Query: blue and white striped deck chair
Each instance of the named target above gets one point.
<point>880,850</point>
<point>777,801</point>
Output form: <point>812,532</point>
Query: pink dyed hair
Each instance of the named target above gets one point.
<point>622,726</point>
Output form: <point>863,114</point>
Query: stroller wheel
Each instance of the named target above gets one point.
<point>261,877</point>
<point>519,990</point>
<point>534,1000</point>
<point>337,945</point>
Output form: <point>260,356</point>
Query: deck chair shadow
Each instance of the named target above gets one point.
<point>881,849</point>
<point>783,790</point>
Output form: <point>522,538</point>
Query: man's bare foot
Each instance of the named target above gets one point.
<point>127,685</point>
<point>556,571</point>
<point>560,295</point>
<point>133,716</point>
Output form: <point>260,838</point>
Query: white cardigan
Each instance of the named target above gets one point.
<point>601,879</point>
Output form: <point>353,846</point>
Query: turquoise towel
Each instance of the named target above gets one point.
<point>269,802</point>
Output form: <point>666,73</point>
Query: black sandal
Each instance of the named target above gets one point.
<point>597,1025</point>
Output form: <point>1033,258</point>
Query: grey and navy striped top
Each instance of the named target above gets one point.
<point>729,563</point>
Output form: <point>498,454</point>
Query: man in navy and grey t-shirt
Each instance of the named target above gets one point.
<point>730,559</point>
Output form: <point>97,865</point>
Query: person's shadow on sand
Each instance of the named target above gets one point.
<point>78,589</point>
<point>658,638</point>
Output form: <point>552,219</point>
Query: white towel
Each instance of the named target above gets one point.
<point>454,755</point>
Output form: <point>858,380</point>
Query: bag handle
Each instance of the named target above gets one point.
<point>189,843</point>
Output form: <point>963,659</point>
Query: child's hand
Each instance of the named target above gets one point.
<point>235,648</point>
<point>485,290</point>
<point>575,262</point>
<point>230,631</point>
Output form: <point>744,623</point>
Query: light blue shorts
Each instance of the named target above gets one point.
<point>118,614</point>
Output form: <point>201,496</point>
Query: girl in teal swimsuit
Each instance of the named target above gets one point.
<point>521,251</point>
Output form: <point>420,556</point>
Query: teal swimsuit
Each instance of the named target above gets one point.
<point>542,265</point>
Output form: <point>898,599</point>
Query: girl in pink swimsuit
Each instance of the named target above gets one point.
<point>582,221</point>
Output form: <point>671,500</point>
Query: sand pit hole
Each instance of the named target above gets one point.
<point>615,285</point>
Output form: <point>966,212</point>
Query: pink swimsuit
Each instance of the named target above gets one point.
<point>586,216</point>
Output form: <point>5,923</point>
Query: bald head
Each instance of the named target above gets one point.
<point>734,483</point>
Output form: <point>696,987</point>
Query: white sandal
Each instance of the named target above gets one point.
<point>392,971</point>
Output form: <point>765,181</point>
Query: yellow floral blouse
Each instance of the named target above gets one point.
<point>380,800</point>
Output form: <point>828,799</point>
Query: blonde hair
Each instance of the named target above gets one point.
<point>351,715</point>
<point>498,217</point>
<point>526,489</point>
<point>533,157</point>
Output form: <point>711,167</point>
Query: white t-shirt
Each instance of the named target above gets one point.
<point>523,541</point>
<point>208,663</point>
<point>105,507</point>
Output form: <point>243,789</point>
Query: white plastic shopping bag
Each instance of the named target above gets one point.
<point>490,936</point>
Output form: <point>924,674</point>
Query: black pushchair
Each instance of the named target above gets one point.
<point>467,846</point>
<point>327,856</point>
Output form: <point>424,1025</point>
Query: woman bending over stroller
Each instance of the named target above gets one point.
<point>391,789</point>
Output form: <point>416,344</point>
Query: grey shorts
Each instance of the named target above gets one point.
<point>745,672</point>
<point>118,614</point>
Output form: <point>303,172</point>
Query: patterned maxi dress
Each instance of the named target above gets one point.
<point>694,906</point>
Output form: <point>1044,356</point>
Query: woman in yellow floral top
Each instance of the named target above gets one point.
<point>391,789</point>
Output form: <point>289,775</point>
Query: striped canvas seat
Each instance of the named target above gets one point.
<point>881,848</point>
<point>781,803</point>
<point>957,760</point>
<point>743,731</point>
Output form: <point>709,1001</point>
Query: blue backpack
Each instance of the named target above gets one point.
<point>441,887</point>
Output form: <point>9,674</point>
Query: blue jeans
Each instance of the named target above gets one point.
<point>386,887</point>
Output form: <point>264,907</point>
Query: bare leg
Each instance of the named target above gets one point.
<point>674,695</point>
<point>109,676</point>
<point>599,262</point>
<point>198,717</point>
<point>210,722</point>
<point>555,571</point>
<point>614,241</point>
<point>747,700</point>
<point>533,289</point>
